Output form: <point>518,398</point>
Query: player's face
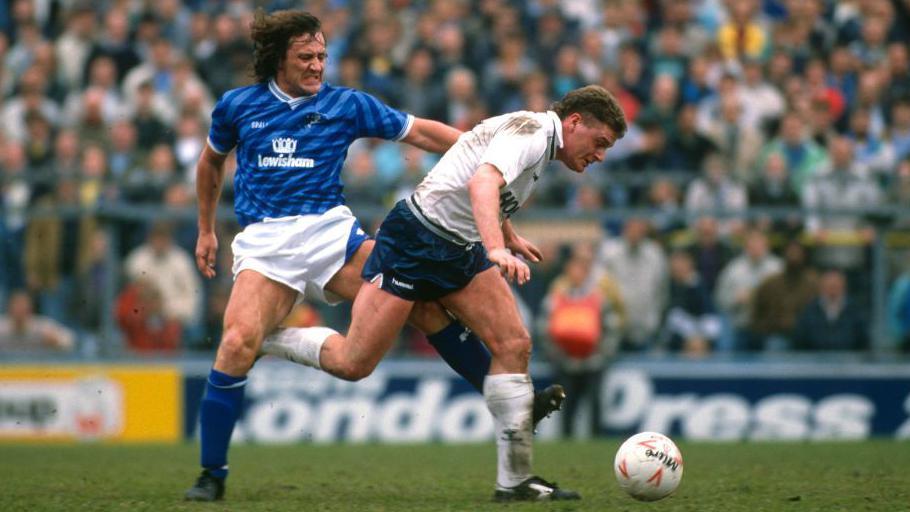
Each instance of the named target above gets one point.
<point>585,142</point>
<point>300,72</point>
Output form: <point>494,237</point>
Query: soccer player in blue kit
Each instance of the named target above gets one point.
<point>291,132</point>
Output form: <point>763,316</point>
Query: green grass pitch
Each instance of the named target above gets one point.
<point>723,477</point>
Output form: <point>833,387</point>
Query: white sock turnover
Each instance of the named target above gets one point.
<point>510,398</point>
<point>297,344</point>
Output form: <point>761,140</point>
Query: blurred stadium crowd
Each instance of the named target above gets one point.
<point>757,129</point>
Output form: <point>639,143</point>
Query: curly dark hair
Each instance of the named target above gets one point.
<point>596,102</point>
<point>271,34</point>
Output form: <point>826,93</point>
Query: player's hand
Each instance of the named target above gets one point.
<point>206,249</point>
<point>520,245</point>
<point>512,268</point>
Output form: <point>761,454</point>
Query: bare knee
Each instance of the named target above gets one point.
<point>512,351</point>
<point>237,351</point>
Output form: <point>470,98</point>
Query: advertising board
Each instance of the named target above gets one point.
<point>122,403</point>
<point>424,401</point>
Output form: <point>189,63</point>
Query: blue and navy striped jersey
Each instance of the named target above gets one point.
<point>290,150</point>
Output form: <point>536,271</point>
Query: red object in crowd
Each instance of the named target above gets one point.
<point>144,328</point>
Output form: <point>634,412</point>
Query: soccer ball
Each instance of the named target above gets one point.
<point>648,466</point>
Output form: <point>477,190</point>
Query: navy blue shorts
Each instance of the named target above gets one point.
<point>416,264</point>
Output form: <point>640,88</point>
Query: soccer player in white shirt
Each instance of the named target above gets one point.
<point>443,243</point>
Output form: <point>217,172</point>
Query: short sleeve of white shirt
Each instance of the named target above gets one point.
<point>513,153</point>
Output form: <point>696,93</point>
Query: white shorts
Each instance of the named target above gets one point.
<point>302,251</point>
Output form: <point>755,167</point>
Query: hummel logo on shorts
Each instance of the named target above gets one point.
<point>406,286</point>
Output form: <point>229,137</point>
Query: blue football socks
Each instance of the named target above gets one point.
<point>217,416</point>
<point>464,352</point>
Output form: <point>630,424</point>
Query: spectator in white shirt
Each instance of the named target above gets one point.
<point>172,271</point>
<point>639,265</point>
<point>739,279</point>
<point>23,331</point>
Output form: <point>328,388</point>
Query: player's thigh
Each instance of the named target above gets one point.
<point>377,319</point>
<point>429,317</point>
<point>347,281</point>
<point>487,307</point>
<point>256,306</point>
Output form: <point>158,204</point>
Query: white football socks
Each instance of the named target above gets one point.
<point>297,344</point>
<point>510,398</point>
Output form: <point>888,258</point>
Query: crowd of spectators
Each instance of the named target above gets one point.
<point>734,107</point>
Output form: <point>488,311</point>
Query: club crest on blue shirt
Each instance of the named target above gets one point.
<point>312,118</point>
<point>284,145</point>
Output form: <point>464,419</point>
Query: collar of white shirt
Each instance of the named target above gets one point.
<point>557,131</point>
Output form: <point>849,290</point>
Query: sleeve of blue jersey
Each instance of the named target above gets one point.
<point>376,119</point>
<point>223,134</point>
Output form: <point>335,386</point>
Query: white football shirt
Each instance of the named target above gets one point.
<point>519,145</point>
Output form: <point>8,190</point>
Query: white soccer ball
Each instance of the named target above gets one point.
<point>648,466</point>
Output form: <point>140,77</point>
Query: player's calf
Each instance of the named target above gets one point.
<point>353,371</point>
<point>324,349</point>
<point>510,399</point>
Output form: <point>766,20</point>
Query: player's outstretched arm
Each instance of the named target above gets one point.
<point>209,179</point>
<point>484,190</point>
<point>431,136</point>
